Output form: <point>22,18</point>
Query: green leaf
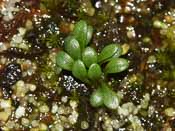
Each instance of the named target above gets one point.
<point>72,47</point>
<point>96,99</point>
<point>79,70</point>
<point>64,60</point>
<point>89,56</point>
<point>116,65</point>
<point>110,98</point>
<point>110,51</point>
<point>80,33</point>
<point>94,72</point>
<point>89,34</point>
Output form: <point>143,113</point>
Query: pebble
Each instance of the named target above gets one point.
<point>43,127</point>
<point>31,87</point>
<point>170,111</point>
<point>59,127</point>
<point>25,122</point>
<point>73,117</point>
<point>35,123</point>
<point>84,125</point>
<point>22,31</point>
<point>5,103</point>
<point>54,108</point>
<point>73,104</point>
<point>17,39</point>
<point>4,116</point>
<point>44,109</point>
<point>20,111</point>
<point>64,99</point>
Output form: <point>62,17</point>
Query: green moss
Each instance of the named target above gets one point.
<point>169,39</point>
<point>166,54</point>
<point>50,4</point>
<point>52,40</point>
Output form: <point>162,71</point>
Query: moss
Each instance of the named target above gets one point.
<point>164,58</point>
<point>170,39</point>
<point>166,54</point>
<point>52,41</point>
<point>169,74</point>
<point>50,4</point>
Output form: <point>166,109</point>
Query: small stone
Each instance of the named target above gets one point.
<point>73,117</point>
<point>10,124</point>
<point>126,109</point>
<point>170,111</point>
<point>159,24</point>
<point>73,104</point>
<point>4,116</point>
<point>125,48</point>
<point>22,31</point>
<point>84,125</point>
<point>123,111</point>
<point>31,87</point>
<point>60,110</point>
<point>20,83</point>
<point>5,103</point>
<point>17,39</point>
<point>44,109</point>
<point>146,39</point>
<point>115,124</point>
<point>64,99</point>
<point>59,126</point>
<point>29,25</point>
<point>43,127</point>
<point>131,34</point>
<point>151,59</point>
<point>20,111</point>
<point>35,123</point>
<point>3,46</point>
<point>54,108</point>
<point>20,89</point>
<point>25,122</point>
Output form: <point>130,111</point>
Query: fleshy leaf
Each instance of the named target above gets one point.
<point>110,98</point>
<point>116,65</point>
<point>79,70</point>
<point>94,72</point>
<point>110,51</point>
<point>89,56</point>
<point>72,47</point>
<point>80,33</point>
<point>89,34</point>
<point>64,60</point>
<point>96,99</point>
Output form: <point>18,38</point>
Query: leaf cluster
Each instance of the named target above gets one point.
<point>86,64</point>
<point>104,96</point>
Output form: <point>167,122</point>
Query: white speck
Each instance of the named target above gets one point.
<point>98,4</point>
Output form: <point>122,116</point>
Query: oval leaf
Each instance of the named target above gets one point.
<point>64,61</point>
<point>116,65</point>
<point>89,56</point>
<point>72,47</point>
<point>110,98</point>
<point>110,51</point>
<point>80,33</point>
<point>96,99</point>
<point>89,34</point>
<point>79,70</point>
<point>94,72</point>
